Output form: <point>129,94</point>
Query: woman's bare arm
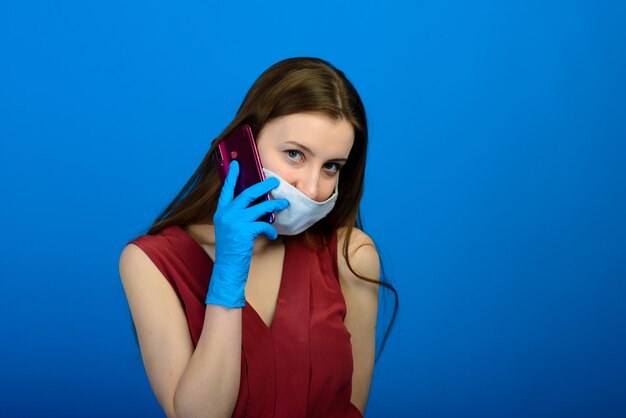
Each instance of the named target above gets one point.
<point>361,309</point>
<point>187,382</point>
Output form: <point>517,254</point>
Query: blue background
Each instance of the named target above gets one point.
<point>495,188</point>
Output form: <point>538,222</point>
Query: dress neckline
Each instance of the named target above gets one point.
<point>270,327</point>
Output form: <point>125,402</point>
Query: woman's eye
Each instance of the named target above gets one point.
<point>333,167</point>
<point>292,153</point>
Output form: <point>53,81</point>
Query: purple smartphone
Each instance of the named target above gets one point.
<point>240,145</point>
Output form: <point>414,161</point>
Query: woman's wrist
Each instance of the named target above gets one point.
<point>227,285</point>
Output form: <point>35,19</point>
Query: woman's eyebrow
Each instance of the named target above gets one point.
<point>311,152</point>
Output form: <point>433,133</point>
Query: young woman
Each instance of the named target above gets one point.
<point>237,317</point>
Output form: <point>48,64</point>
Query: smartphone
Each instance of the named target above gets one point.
<point>240,145</point>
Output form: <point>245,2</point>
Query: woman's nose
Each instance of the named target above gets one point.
<point>309,185</point>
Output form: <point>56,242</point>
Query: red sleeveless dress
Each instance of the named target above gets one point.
<point>301,366</point>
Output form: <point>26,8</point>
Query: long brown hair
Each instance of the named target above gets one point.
<point>290,86</point>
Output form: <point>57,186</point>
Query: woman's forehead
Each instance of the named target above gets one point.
<point>316,132</point>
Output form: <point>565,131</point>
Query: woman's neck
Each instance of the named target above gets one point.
<point>205,234</point>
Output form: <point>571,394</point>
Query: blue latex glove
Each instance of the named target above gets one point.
<point>236,229</point>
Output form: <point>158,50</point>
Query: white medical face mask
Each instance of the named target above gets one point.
<point>302,212</point>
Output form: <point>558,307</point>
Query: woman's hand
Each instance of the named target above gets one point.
<point>236,228</point>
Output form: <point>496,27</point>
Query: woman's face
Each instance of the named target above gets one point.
<point>307,150</point>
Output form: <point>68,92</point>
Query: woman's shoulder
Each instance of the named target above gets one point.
<point>141,250</point>
<point>157,238</point>
<point>360,242</point>
<point>147,249</point>
<point>362,254</point>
